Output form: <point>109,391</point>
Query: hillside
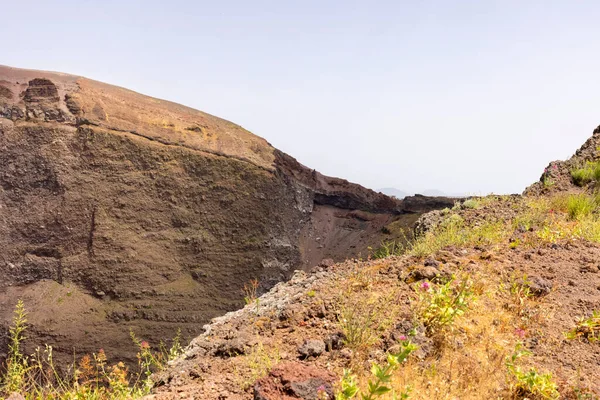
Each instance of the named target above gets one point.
<point>120,212</point>
<point>497,298</point>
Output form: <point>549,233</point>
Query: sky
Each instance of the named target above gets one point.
<point>460,96</point>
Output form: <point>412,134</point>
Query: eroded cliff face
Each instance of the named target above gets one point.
<point>119,211</point>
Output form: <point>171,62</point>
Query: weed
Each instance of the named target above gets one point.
<point>389,248</point>
<point>439,305</point>
<point>588,173</point>
<point>379,385</point>
<point>531,382</point>
<point>547,182</point>
<point>363,314</point>
<point>357,324</point>
<point>471,204</point>
<point>250,291</point>
<point>453,231</point>
<point>36,377</point>
<point>348,386</point>
<point>259,361</point>
<point>151,361</point>
<point>588,328</point>
<point>581,205</point>
<point>549,235</point>
<point>16,364</point>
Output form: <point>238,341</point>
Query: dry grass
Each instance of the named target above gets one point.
<point>257,363</point>
<point>364,309</point>
<point>469,356</point>
<point>471,362</point>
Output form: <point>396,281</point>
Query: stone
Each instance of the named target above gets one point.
<point>335,341</point>
<point>312,348</point>
<point>233,347</point>
<point>326,263</point>
<point>294,380</point>
<point>431,262</point>
<point>426,273</point>
<point>538,286</point>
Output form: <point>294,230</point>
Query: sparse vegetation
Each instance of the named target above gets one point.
<point>91,378</point>
<point>259,361</point>
<point>360,319</point>
<point>389,248</point>
<point>250,292</point>
<point>580,206</point>
<point>471,204</point>
<point>586,328</point>
<point>471,322</point>
<point>453,231</point>
<point>440,304</point>
<point>586,174</point>
<point>379,385</point>
<point>530,384</point>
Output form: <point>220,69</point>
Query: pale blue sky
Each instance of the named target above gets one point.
<point>462,96</point>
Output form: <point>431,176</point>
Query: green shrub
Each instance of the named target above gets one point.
<point>440,304</point>
<point>530,384</point>
<point>382,375</point>
<point>580,177</point>
<point>588,173</point>
<point>580,205</point>
<point>471,203</point>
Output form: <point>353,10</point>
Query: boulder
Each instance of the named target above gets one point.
<point>294,380</point>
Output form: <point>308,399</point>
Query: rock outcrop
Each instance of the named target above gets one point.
<point>123,212</point>
<point>557,175</point>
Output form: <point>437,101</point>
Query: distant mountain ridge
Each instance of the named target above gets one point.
<point>400,194</point>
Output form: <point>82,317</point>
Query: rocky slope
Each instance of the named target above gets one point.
<point>557,175</point>
<point>119,211</point>
<point>524,270</point>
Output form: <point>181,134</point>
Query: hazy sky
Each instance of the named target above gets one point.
<point>462,96</point>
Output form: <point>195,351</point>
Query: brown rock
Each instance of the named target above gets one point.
<point>41,89</point>
<point>293,380</point>
<point>312,348</point>
<point>538,286</point>
<point>5,92</point>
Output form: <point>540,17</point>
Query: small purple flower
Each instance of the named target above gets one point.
<point>520,332</point>
<point>425,286</point>
<point>322,393</point>
<point>403,338</point>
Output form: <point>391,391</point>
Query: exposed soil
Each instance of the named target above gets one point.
<point>119,211</point>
